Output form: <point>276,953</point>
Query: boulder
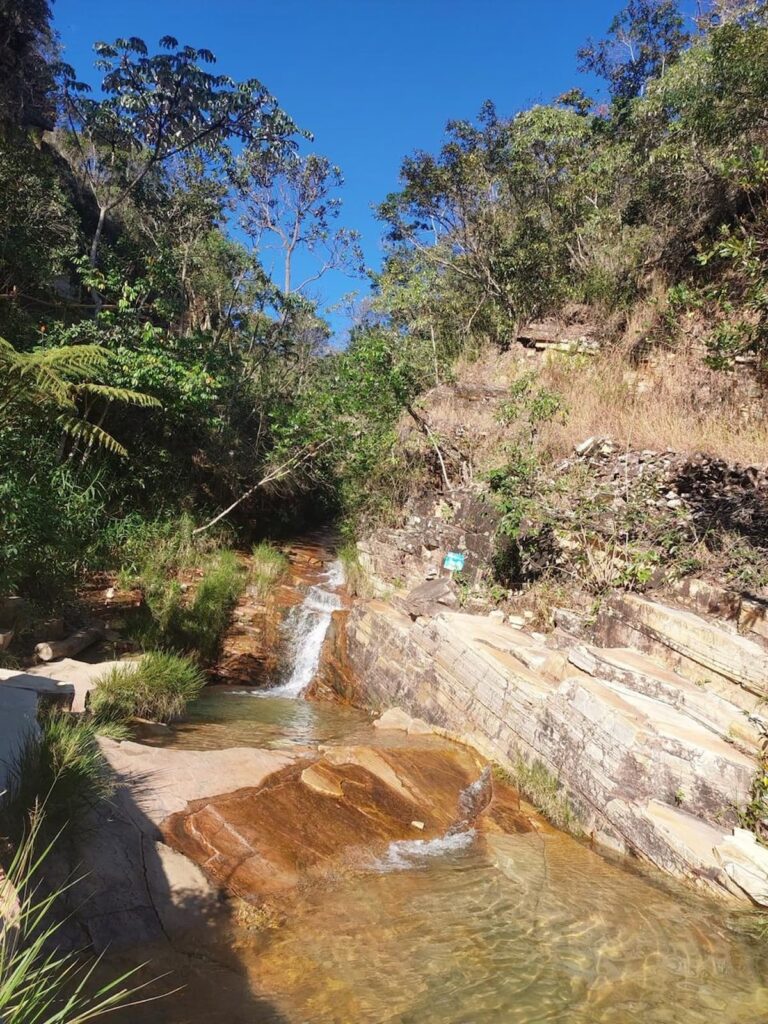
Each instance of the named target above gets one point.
<point>431,598</point>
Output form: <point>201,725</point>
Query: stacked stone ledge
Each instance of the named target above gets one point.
<point>655,762</point>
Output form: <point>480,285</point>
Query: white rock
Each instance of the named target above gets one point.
<point>395,719</point>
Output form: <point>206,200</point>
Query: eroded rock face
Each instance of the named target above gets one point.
<point>314,818</point>
<point>656,763</point>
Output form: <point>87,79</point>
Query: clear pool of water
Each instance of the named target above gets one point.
<point>491,930</point>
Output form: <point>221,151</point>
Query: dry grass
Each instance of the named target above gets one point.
<point>672,401</point>
<point>676,402</point>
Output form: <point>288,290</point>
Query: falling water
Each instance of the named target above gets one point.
<point>307,625</point>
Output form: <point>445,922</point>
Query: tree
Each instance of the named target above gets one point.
<point>643,39</point>
<point>155,108</point>
<point>27,64</point>
<point>293,199</point>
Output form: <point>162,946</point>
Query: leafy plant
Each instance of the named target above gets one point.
<point>60,767</point>
<point>56,381</point>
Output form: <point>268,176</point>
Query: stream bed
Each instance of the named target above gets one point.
<point>464,929</point>
<point>499,929</point>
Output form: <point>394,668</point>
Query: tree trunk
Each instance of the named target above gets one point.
<point>71,645</point>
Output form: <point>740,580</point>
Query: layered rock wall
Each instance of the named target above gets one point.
<point>655,763</point>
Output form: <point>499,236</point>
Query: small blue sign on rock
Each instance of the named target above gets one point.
<point>454,561</point>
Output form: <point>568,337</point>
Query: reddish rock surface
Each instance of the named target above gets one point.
<point>312,819</point>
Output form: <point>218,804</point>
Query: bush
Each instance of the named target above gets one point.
<point>268,565</point>
<point>159,687</point>
<point>152,557</point>
<point>208,617</point>
<point>61,769</point>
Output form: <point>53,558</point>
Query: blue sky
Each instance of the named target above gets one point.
<point>372,79</point>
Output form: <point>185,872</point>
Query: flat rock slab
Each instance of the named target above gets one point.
<point>309,821</point>
<point>702,645</point>
<point>163,781</point>
<point>80,675</point>
<point>18,721</point>
<point>134,887</point>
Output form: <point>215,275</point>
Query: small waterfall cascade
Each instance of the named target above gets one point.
<point>307,626</point>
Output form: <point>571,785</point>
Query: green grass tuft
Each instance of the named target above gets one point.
<point>38,982</point>
<point>61,769</point>
<point>268,565</point>
<point>159,688</point>
<point>542,789</point>
<point>357,580</point>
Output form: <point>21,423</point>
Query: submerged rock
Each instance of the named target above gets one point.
<point>309,821</point>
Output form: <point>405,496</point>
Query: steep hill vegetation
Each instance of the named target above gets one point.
<point>152,368</point>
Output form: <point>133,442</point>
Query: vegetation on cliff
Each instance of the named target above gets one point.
<point>158,381</point>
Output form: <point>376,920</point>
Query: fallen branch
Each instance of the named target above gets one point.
<point>71,645</point>
<point>425,428</point>
<point>276,474</point>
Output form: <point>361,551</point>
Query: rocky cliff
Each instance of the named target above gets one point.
<point>657,751</point>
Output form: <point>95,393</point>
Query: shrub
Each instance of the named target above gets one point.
<point>166,620</point>
<point>61,768</point>
<point>268,565</point>
<point>203,623</point>
<point>159,687</point>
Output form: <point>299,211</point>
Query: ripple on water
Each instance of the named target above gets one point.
<point>510,930</point>
<point>482,930</point>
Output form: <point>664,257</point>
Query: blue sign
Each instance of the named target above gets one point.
<point>454,561</point>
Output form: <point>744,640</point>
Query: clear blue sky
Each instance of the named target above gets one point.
<point>372,79</point>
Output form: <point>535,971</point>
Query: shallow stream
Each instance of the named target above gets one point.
<point>494,929</point>
<point>474,930</point>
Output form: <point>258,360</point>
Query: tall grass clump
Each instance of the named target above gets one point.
<point>208,616</point>
<point>39,984</point>
<point>268,565</point>
<point>59,766</point>
<point>158,688</point>
<point>542,789</point>
<point>356,578</point>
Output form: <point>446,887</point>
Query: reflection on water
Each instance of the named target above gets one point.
<point>225,717</point>
<point>481,930</point>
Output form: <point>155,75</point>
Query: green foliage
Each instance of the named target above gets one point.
<point>61,769</point>
<point>202,624</point>
<point>643,39</point>
<point>158,687</point>
<point>356,578</point>
<point>55,381</point>
<point>538,785</point>
<point>38,982</point>
<point>755,815</point>
<point>170,619</point>
<point>267,566</point>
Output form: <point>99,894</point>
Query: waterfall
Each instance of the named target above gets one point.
<point>307,624</point>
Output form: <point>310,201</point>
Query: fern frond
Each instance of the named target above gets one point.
<point>119,394</point>
<point>79,428</point>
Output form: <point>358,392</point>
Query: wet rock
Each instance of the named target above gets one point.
<point>308,821</point>
<point>653,762</point>
<point>393,718</point>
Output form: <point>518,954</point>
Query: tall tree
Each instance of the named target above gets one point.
<point>293,200</point>
<point>154,108</point>
<point>642,40</point>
